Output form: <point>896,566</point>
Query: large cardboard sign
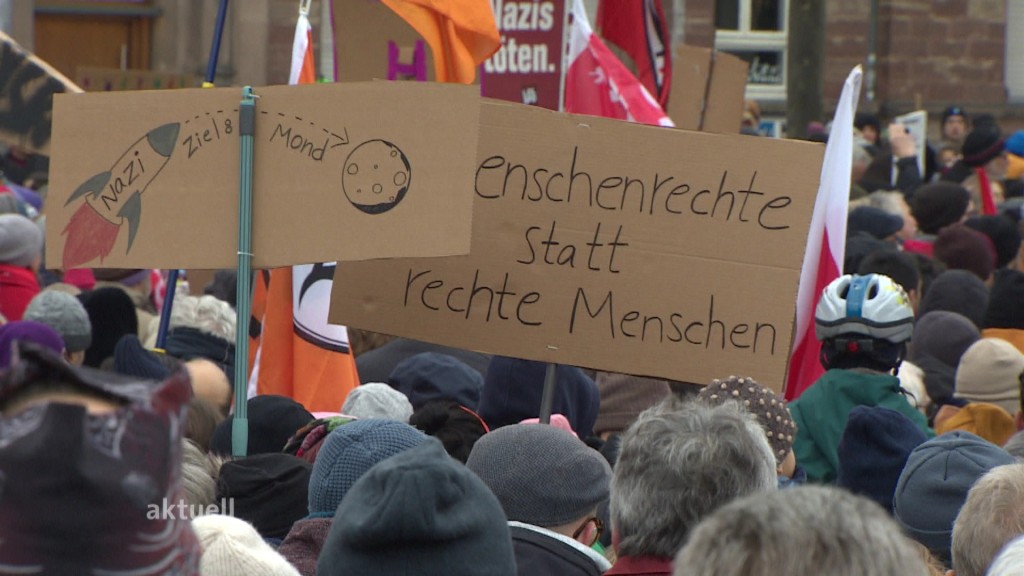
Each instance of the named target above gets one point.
<point>27,86</point>
<point>528,66</point>
<point>372,42</point>
<point>95,79</point>
<point>707,90</point>
<point>610,245</point>
<point>341,171</point>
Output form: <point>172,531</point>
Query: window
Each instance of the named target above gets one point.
<point>755,30</point>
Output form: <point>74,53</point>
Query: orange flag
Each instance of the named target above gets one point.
<point>300,355</point>
<point>461,33</point>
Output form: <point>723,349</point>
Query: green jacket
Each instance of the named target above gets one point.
<point>820,414</point>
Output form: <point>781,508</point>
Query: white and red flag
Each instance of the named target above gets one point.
<point>599,84</point>
<point>826,240</point>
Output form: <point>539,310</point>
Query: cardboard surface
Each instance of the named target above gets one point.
<point>93,79</point>
<point>656,281</point>
<point>372,42</point>
<point>27,86</point>
<point>708,90</point>
<point>527,68</point>
<point>341,171</point>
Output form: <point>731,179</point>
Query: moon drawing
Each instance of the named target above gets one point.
<point>376,176</point>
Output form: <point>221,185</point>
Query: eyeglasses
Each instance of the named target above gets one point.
<point>598,529</point>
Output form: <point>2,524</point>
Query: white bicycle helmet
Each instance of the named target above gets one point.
<point>873,306</point>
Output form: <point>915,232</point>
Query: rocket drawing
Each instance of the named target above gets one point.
<point>114,197</point>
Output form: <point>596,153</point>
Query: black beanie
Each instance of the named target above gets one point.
<point>1006,301</point>
<point>1002,231</point>
<point>270,491</point>
<point>131,359</point>
<point>982,145</point>
<point>273,420</point>
<point>957,291</point>
<point>938,205</point>
<point>112,315</point>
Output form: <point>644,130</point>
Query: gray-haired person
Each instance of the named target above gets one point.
<point>992,516</point>
<point>678,465</point>
<point>805,531</point>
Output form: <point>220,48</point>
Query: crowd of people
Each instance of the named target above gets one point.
<point>903,458</point>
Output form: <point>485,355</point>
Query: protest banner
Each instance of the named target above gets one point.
<point>528,66</point>
<point>341,171</point>
<point>613,246</point>
<point>93,79</point>
<point>916,124</point>
<point>707,90</point>
<point>27,86</point>
<point>372,42</point>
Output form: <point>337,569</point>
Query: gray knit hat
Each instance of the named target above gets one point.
<point>541,475</point>
<point>65,314</point>
<point>348,452</point>
<point>418,513</point>
<point>21,241</point>
<point>934,485</point>
<point>377,400</point>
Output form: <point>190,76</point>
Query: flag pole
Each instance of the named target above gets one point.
<point>172,276</point>
<point>566,10</point>
<point>246,131</point>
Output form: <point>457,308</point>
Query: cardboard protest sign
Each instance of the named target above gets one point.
<point>372,42</point>
<point>341,171</point>
<point>94,79</point>
<point>528,66</point>
<point>614,246</point>
<point>27,86</point>
<point>707,90</point>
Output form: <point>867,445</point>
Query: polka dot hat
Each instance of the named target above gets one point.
<point>770,410</point>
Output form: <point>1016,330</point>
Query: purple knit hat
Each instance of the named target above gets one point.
<point>29,331</point>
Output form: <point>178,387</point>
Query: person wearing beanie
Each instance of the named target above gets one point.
<point>985,162</point>
<point>771,413</point>
<point>431,376</point>
<point>136,284</point>
<point>377,400</point>
<point>88,460</point>
<point>21,246</point>
<point>1004,234</point>
<point>267,490</point>
<point>112,315</point>
<point>66,315</point>
<point>1015,156</point>
<point>935,206</point>
<point>272,421</point>
<point>377,364</point>
<point>27,331</point>
<point>957,291</point>
<point>990,371</point>
<point>962,248</point>
<point>987,421</point>
<point>550,485</point>
<point>941,339</point>
<point>1004,315</point>
<point>346,455</point>
<point>456,426</point>
<point>934,485</point>
<point>232,547</point>
<point>873,450</point>
<point>131,359</point>
<point>623,398</point>
<point>513,388</point>
<point>419,513</point>
<point>954,127</point>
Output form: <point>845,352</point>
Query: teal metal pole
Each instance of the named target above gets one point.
<point>246,132</point>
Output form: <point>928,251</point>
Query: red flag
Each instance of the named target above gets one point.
<point>639,27</point>
<point>826,241</point>
<point>597,83</point>
<point>300,355</point>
